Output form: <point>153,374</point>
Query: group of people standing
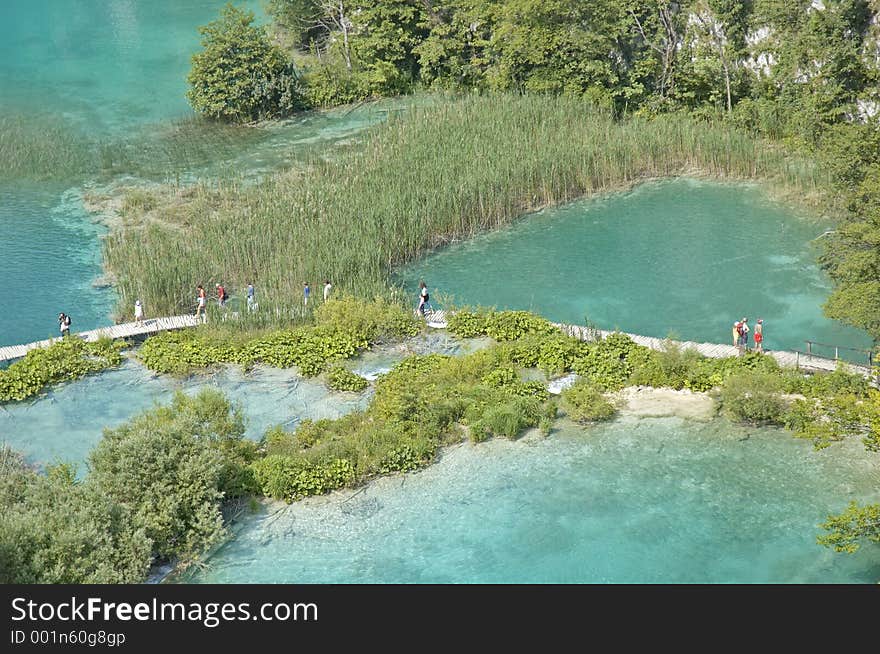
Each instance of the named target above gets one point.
<point>741,334</point>
<point>251,294</point>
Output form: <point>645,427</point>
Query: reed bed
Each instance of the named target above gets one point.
<point>43,148</point>
<point>422,179</point>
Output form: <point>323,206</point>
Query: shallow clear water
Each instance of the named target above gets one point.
<point>65,424</point>
<point>634,501</point>
<point>49,257</point>
<point>680,256</point>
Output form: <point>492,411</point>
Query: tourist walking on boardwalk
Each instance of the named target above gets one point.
<point>138,312</point>
<point>327,287</point>
<point>759,335</point>
<point>306,292</point>
<point>201,308</point>
<point>64,324</point>
<point>251,298</point>
<point>424,304</point>
<point>221,295</point>
<point>744,334</point>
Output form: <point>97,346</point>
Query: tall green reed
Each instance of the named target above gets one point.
<point>422,179</point>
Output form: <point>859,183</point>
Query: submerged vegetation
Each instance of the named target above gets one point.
<point>418,181</point>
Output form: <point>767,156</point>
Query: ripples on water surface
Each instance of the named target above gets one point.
<point>682,256</point>
<point>634,501</point>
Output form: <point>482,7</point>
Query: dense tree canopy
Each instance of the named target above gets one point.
<point>240,76</point>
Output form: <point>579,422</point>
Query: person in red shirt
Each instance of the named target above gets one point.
<point>221,295</point>
<point>759,335</point>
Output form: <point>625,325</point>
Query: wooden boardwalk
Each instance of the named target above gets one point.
<point>125,330</point>
<point>437,320</point>
<point>720,351</point>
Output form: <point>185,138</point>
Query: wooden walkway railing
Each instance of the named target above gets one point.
<point>785,358</point>
<point>437,319</point>
<point>126,330</point>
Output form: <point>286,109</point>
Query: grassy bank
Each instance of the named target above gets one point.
<point>418,181</point>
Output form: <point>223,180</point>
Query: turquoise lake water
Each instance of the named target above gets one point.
<point>681,257</point>
<point>113,73</point>
<point>657,500</point>
<point>636,500</point>
<point>65,424</point>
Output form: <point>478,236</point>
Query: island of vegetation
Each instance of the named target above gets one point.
<point>522,104</point>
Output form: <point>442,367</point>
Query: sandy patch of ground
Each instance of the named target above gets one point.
<point>648,402</point>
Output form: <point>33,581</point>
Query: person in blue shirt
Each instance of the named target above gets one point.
<point>251,301</point>
<point>306,293</point>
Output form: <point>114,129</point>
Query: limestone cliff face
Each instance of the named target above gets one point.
<point>772,29</point>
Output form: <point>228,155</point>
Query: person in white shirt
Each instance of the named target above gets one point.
<point>138,312</point>
<point>424,304</point>
<point>327,287</point>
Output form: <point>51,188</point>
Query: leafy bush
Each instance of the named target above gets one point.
<point>830,419</point>
<point>341,379</point>
<point>288,478</point>
<point>609,363</point>
<point>240,76</point>
<point>54,530</point>
<point>345,327</point>
<point>855,524</point>
<point>467,324</point>
<point>168,468</point>
<point>583,402</point>
<point>511,325</point>
<point>372,322</point>
<point>70,358</point>
<point>499,325</point>
<point>839,382</point>
<point>754,396</point>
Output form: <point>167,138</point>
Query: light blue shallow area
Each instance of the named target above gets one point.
<point>112,73</point>
<point>682,257</point>
<point>635,501</point>
<point>66,422</point>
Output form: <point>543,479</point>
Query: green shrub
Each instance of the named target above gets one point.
<point>830,419</point>
<point>54,530</point>
<point>169,467</point>
<point>511,325</point>
<point>372,322</point>
<point>345,327</point>
<point>608,363</point>
<point>583,402</point>
<point>467,324</point>
<point>754,396</point>
<point>240,76</point>
<point>341,379</point>
<point>68,359</point>
<point>288,478</point>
